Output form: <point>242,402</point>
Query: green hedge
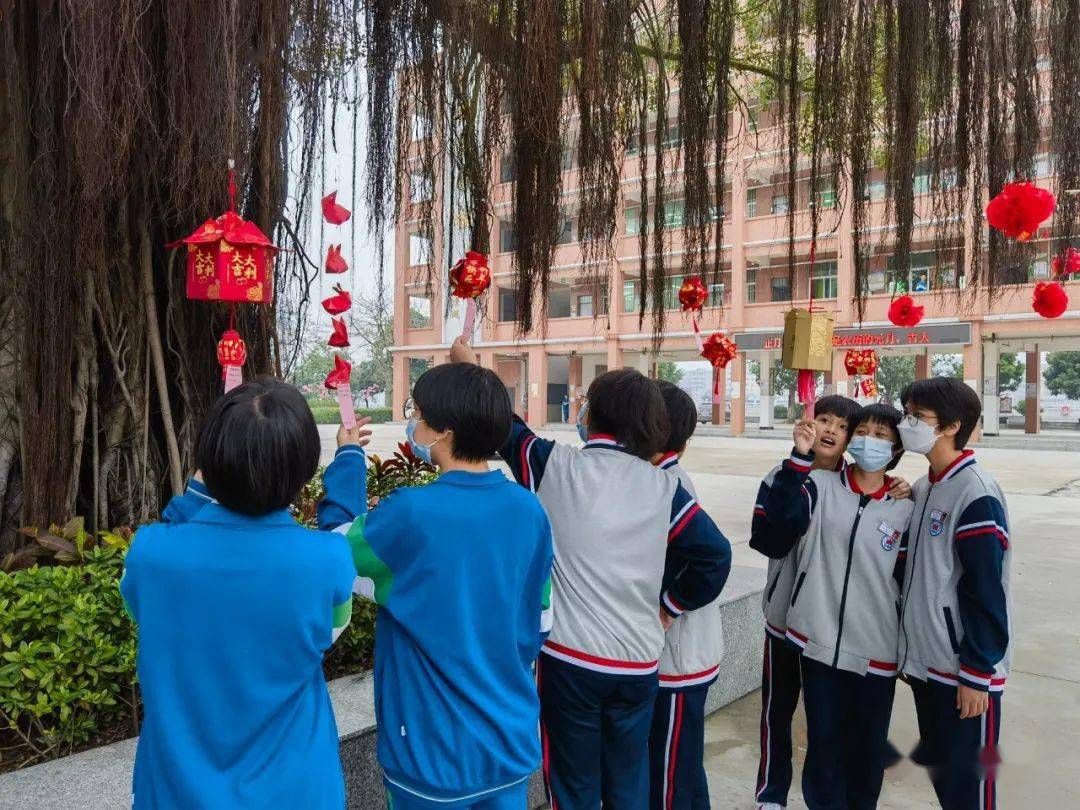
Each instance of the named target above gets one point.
<point>326,412</point>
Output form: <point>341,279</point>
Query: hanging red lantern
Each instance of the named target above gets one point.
<point>231,354</point>
<point>719,350</point>
<point>229,259</point>
<point>332,212</point>
<point>1019,210</point>
<point>1049,299</point>
<point>340,336</point>
<point>470,276</point>
<point>904,312</point>
<point>334,261</point>
<point>693,294</point>
<point>1067,264</point>
<point>340,302</point>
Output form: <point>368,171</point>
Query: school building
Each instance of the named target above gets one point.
<point>591,328</point>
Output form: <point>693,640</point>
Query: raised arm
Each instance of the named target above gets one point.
<point>182,508</point>
<point>345,479</point>
<point>698,557</point>
<point>526,454</point>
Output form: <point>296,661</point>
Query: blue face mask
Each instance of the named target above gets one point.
<point>582,428</point>
<point>870,453</point>
<point>423,451</point>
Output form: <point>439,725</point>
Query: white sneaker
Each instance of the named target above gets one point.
<point>770,806</point>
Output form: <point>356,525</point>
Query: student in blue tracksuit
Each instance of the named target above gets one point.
<point>619,523</point>
<point>956,611</point>
<point>693,647</point>
<point>847,533</point>
<point>236,605</point>
<point>461,571</point>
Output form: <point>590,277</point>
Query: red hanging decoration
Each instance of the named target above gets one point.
<point>231,354</point>
<point>904,312</point>
<point>719,350</point>
<point>332,212</point>
<point>1067,264</point>
<point>1019,210</point>
<point>336,304</point>
<point>340,374</point>
<point>1050,299</point>
<point>869,388</point>
<point>470,276</point>
<point>229,259</point>
<point>861,362</point>
<point>340,337</point>
<point>334,261</point>
<point>693,294</point>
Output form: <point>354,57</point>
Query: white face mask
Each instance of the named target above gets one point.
<point>916,435</point>
<point>871,453</point>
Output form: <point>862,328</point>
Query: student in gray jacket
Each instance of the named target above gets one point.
<point>956,613</point>
<point>844,606</point>
<point>690,661</point>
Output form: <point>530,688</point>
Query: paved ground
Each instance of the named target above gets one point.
<point>1041,732</point>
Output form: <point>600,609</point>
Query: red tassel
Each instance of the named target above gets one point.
<point>806,387</point>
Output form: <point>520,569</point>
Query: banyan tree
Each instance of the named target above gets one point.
<point>118,116</point>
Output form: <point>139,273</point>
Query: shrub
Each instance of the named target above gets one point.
<point>326,412</point>
<point>780,412</point>
<point>1021,407</point>
<point>67,659</point>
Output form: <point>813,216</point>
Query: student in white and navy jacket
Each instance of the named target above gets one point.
<point>781,681</point>
<point>633,551</point>
<point>690,661</point>
<point>843,609</point>
<point>956,610</point>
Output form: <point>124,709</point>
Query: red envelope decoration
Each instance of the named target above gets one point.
<point>332,212</point>
<point>1019,210</point>
<point>340,337</point>
<point>340,374</point>
<point>336,304</point>
<point>903,312</point>
<point>1049,299</point>
<point>334,261</point>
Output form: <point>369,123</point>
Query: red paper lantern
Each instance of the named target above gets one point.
<point>229,259</point>
<point>470,276</point>
<point>1049,299</point>
<point>719,350</point>
<point>861,362</point>
<point>334,261</point>
<point>1019,210</point>
<point>693,294</point>
<point>231,350</point>
<point>903,312</point>
<point>332,212</point>
<point>1067,265</point>
<point>340,336</point>
<point>338,303</point>
<point>340,374</point>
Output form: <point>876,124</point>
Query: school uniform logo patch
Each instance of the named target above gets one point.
<point>937,522</point>
<point>889,536</point>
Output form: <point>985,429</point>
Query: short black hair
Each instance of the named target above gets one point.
<point>682,416</point>
<point>627,405</point>
<point>469,400</point>
<point>953,402</point>
<point>839,406</point>
<point>257,447</point>
<point>881,414</point>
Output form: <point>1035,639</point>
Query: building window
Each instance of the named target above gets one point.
<point>824,281</point>
<point>675,214</point>
<point>632,143</point>
<point>633,221</point>
<point>566,233</point>
<point>779,204</point>
<point>559,302</point>
<point>875,282</point>
<point>603,303</point>
<point>826,195</point>
<point>1044,165</point>
<point>753,115</point>
<point>585,306</point>
<point>630,296</point>
<point>672,136</point>
<point>507,169</point>
<point>751,285</point>
<point>419,312</point>
<point>780,288</point>
<point>420,249</point>
<point>716,295</point>
<point>421,126</point>
<point>568,156</point>
<point>874,191</point>
<point>751,203</point>
<point>507,237</point>
<point>508,305</point>
<point>420,187</point>
<point>671,292</point>
<point>923,181</point>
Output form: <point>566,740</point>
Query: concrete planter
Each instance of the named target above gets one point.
<point>101,778</point>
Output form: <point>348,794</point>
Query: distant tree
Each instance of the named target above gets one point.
<point>1062,374</point>
<point>371,328</point>
<point>947,365</point>
<point>894,372</point>
<point>669,371</point>
<point>1010,372</point>
<point>783,381</point>
<point>315,365</point>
